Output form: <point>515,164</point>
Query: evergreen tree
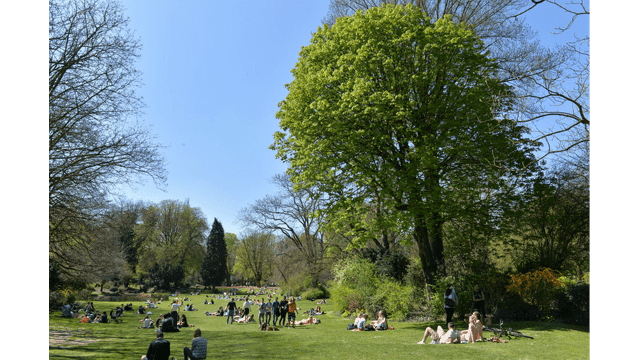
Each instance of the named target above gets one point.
<point>214,266</point>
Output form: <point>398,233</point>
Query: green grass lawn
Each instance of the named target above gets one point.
<point>328,340</point>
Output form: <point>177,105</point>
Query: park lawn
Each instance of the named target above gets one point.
<point>328,340</point>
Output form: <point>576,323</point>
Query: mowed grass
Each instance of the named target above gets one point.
<point>328,340</point>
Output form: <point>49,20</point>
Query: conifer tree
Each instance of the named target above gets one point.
<point>214,266</point>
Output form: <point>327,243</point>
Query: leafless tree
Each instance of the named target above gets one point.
<point>296,216</point>
<point>95,139</point>
<point>561,94</point>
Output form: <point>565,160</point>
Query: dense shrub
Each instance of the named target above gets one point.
<point>538,287</point>
<point>573,304</point>
<point>358,285</point>
<point>514,308</point>
<point>317,293</point>
<point>394,298</point>
<point>55,300</point>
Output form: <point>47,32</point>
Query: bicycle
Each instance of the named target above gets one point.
<point>508,332</point>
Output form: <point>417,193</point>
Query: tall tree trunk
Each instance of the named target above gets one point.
<point>428,235</point>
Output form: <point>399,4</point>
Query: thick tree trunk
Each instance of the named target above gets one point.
<point>428,236</point>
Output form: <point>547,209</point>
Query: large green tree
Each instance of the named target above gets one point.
<point>389,104</point>
<point>171,236</point>
<point>255,256</point>
<point>214,266</point>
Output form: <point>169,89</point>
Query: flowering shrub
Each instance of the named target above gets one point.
<point>539,287</point>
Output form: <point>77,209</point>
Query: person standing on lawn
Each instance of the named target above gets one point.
<point>231,306</point>
<point>293,310</point>
<point>268,308</point>
<point>450,302</point>
<point>198,348</point>
<point>247,306</point>
<point>262,308</point>
<point>284,310</point>
<point>159,349</point>
<point>478,301</point>
<point>276,311</point>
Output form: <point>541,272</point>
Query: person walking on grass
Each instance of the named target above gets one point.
<point>159,349</point>
<point>198,348</point>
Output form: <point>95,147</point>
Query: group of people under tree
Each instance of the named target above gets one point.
<point>452,335</point>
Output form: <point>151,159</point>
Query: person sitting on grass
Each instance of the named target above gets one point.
<point>66,311</point>
<point>141,310</point>
<point>183,321</point>
<point>147,323</point>
<point>440,337</point>
<point>381,322</point>
<point>167,324</point>
<point>159,349</point>
<point>359,322</point>
<point>198,348</point>
<point>104,319</point>
<point>474,333</point>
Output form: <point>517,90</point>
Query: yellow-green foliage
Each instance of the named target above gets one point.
<point>538,287</point>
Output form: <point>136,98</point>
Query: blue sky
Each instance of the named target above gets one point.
<point>214,72</point>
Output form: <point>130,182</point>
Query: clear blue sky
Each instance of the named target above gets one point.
<point>214,72</point>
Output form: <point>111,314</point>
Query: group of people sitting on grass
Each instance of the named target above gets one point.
<point>453,336</point>
<point>380,323</point>
<point>91,315</point>
<point>160,348</point>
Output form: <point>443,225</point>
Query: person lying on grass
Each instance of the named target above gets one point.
<point>244,319</point>
<point>440,337</point>
<point>474,333</point>
<point>309,320</point>
<point>265,327</point>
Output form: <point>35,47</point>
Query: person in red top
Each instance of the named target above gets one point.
<point>293,310</point>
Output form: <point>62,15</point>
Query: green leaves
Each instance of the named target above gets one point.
<point>390,108</point>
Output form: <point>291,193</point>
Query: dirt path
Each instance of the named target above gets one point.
<point>60,337</point>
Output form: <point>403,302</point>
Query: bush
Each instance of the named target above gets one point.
<point>514,308</point>
<point>55,300</point>
<point>573,304</point>
<point>539,288</point>
<point>394,298</point>
<point>318,293</point>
